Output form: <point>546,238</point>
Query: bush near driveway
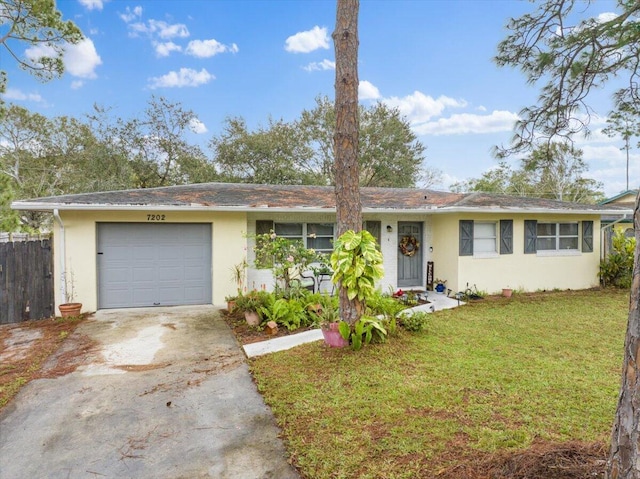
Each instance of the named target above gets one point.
<point>493,377</point>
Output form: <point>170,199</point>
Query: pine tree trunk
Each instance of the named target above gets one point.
<point>348,207</point>
<point>624,455</point>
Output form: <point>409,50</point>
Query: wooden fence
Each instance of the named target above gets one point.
<point>26,279</point>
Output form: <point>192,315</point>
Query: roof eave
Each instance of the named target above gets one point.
<point>35,206</point>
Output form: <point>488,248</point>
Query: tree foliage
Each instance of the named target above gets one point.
<point>625,122</point>
<point>570,60</point>
<point>38,24</point>
<point>552,171</point>
<point>302,151</point>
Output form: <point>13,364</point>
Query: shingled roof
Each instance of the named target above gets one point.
<point>251,197</point>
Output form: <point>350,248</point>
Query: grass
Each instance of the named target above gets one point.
<point>491,376</point>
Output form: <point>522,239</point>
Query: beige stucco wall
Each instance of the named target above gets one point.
<point>228,248</point>
<point>527,272</point>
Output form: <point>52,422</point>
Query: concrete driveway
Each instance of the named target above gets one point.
<point>159,393</point>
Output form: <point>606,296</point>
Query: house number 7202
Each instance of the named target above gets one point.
<point>155,218</point>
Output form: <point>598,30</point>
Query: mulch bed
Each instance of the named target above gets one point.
<point>568,460</point>
<point>246,334</point>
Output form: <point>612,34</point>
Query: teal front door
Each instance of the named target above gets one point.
<point>410,272</point>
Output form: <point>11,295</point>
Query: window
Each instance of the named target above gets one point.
<point>484,238</point>
<point>318,236</point>
<point>556,236</point>
<point>481,237</point>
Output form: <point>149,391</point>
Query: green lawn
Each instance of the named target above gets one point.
<point>489,376</point>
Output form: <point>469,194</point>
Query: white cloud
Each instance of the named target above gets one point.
<point>367,91</point>
<point>93,4</point>
<point>305,42</point>
<point>197,126</point>
<point>130,15</point>
<point>15,94</point>
<point>160,29</point>
<point>419,108</point>
<point>606,17</point>
<point>468,123</point>
<point>81,59</point>
<point>77,84</point>
<point>186,77</point>
<point>320,66</point>
<point>209,48</point>
<point>164,49</point>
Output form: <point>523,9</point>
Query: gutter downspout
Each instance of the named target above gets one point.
<point>609,225</point>
<point>63,271</point>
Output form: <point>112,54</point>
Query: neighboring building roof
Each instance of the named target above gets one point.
<point>252,197</point>
<point>626,199</point>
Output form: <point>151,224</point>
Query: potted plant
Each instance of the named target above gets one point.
<point>330,326</point>
<point>507,292</point>
<point>70,308</point>
<point>250,304</point>
<point>440,285</point>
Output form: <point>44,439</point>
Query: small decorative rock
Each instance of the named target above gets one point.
<point>272,328</point>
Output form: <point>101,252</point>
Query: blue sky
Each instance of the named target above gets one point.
<point>256,59</point>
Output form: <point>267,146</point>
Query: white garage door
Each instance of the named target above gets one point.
<point>150,264</point>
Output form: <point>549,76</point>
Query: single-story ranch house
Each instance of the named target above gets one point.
<point>178,245</point>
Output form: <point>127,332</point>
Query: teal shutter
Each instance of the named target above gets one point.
<point>466,238</point>
<point>264,227</point>
<point>375,228</point>
<point>506,236</point>
<point>587,236</point>
<point>530,236</point>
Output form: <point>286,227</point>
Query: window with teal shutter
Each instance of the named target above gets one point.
<point>466,238</point>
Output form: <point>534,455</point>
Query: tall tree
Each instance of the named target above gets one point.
<point>624,121</point>
<point>347,176</point>
<point>155,145</point>
<point>389,153</point>
<point>275,154</point>
<point>570,61</point>
<point>552,171</point>
<point>35,23</point>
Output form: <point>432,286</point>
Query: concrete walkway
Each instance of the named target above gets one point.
<point>437,302</point>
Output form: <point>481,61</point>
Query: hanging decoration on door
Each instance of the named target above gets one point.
<point>409,245</point>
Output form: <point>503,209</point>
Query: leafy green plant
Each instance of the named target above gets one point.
<point>252,301</point>
<point>287,313</point>
<point>415,322</point>
<point>357,264</point>
<point>286,258</point>
<point>365,330</point>
<point>617,268</point>
<point>383,304</point>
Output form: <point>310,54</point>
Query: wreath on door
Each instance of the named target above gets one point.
<point>409,245</point>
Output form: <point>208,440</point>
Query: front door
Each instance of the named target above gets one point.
<point>409,254</point>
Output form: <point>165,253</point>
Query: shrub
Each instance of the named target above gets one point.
<point>415,322</point>
<point>617,268</point>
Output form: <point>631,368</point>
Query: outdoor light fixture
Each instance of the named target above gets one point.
<point>389,229</point>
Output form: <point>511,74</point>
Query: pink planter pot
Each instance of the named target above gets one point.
<point>333,338</point>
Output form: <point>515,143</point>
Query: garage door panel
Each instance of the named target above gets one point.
<point>153,264</point>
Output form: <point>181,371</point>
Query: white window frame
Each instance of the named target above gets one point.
<point>305,233</point>
<point>485,254</point>
<point>557,237</point>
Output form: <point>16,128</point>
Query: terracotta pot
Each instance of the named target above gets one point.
<point>333,338</point>
<point>507,292</point>
<point>252,317</point>
<point>71,310</point>
<point>231,305</point>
